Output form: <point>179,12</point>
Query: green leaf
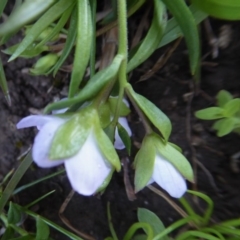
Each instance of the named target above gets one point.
<point>175,146</point>
<point>231,107</point>
<point>30,52</point>
<point>210,113</point>
<point>24,14</point>
<point>83,45</point>
<point>107,147</point>
<point>224,9</point>
<point>14,214</point>
<point>146,216</point>
<point>71,136</point>
<point>224,126</point>
<point>124,137</point>
<point>176,158</point>
<point>140,237</point>
<point>155,115</point>
<point>15,180</point>
<point>144,164</point>
<point>187,23</point>
<point>2,6</point>
<point>59,26</point>
<point>3,84</point>
<point>70,41</point>
<point>93,86</point>
<point>223,97</point>
<point>153,37</point>
<point>173,31</point>
<point>46,19</point>
<point>42,229</point>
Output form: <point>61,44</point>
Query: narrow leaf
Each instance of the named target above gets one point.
<point>14,214</point>
<point>93,86</point>
<point>83,45</point>
<point>70,41</point>
<point>153,37</point>
<point>47,18</point>
<point>61,23</point>
<point>25,13</point>
<point>3,84</point>
<point>185,19</point>
<point>224,9</point>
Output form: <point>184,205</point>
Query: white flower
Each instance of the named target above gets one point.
<point>86,170</point>
<point>168,177</point>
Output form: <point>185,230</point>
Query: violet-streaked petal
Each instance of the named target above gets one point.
<point>167,177</point>
<point>42,144</point>
<point>88,169</point>
<point>34,121</point>
<point>118,143</point>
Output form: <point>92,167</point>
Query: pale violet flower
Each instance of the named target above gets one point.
<point>87,170</point>
<point>168,177</point>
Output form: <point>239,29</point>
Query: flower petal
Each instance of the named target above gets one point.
<point>168,177</point>
<point>88,169</point>
<point>118,144</point>
<point>42,143</point>
<point>34,121</point>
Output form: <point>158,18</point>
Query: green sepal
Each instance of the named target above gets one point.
<point>155,115</point>
<point>144,163</point>
<point>106,182</point>
<point>42,229</point>
<point>106,147</point>
<point>104,114</point>
<point>176,158</point>
<point>30,52</point>
<point>124,109</point>
<point>231,107</point>
<point>175,146</point>
<point>123,134</point>
<point>223,9</point>
<point>224,126</point>
<point>71,136</point>
<point>14,215</point>
<point>146,216</point>
<point>210,113</point>
<point>223,97</point>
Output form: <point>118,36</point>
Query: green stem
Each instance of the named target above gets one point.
<point>135,227</point>
<point>122,50</point>
<point>93,49</point>
<point>114,235</point>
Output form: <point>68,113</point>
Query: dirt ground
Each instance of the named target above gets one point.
<point>171,89</point>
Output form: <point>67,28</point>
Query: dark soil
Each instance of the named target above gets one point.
<point>171,89</point>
